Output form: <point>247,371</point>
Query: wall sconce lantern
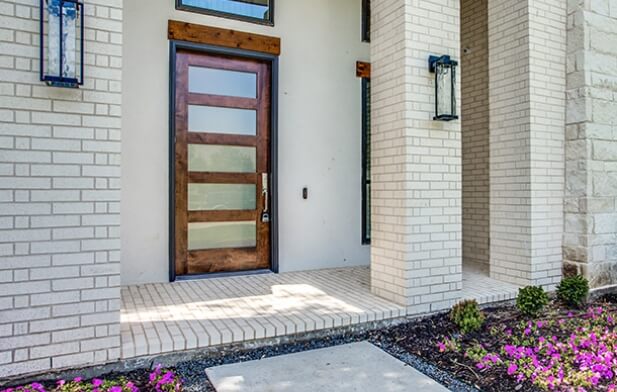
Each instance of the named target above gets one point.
<point>444,69</point>
<point>62,43</point>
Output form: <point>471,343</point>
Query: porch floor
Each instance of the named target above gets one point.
<point>479,286</point>
<point>164,318</point>
<point>171,317</point>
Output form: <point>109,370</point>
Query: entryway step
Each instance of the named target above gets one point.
<point>356,367</point>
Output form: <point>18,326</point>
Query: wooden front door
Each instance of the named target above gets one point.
<point>222,164</point>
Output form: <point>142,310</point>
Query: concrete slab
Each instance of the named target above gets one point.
<point>357,367</point>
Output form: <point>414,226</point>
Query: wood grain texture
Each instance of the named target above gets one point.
<point>224,260</point>
<point>222,216</point>
<point>363,69</point>
<point>222,101</point>
<point>181,165</point>
<point>183,31</point>
<point>222,178</point>
<point>190,262</point>
<point>221,139</point>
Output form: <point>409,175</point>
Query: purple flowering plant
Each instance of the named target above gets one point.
<point>158,380</point>
<point>562,352</point>
<point>164,380</point>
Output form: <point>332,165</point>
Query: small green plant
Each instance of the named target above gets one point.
<point>467,316</point>
<point>573,291</point>
<point>531,300</point>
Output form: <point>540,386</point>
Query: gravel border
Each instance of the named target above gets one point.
<point>194,375</point>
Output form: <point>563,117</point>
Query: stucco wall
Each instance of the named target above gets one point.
<point>590,239</point>
<point>319,133</point>
<point>475,131</point>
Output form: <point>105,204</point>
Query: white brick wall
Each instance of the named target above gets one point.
<point>416,167</point>
<point>475,131</point>
<point>527,45</point>
<point>590,241</point>
<point>59,197</point>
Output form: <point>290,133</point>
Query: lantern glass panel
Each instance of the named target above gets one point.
<point>445,90</point>
<point>62,42</point>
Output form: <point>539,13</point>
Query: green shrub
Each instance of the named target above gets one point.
<point>467,316</point>
<point>531,300</point>
<point>573,291</point>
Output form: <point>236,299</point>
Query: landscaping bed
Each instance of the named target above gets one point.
<point>562,349</point>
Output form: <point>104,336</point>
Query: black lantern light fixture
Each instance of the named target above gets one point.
<point>444,69</point>
<point>62,43</point>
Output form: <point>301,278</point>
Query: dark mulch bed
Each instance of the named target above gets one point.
<point>420,338</point>
<point>414,342</point>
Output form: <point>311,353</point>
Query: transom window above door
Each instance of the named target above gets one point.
<point>258,11</point>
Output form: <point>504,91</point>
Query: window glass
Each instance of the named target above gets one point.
<point>366,20</point>
<point>222,82</point>
<point>217,235</point>
<point>366,161</point>
<point>222,159</point>
<point>229,121</point>
<point>222,197</point>
<point>257,10</point>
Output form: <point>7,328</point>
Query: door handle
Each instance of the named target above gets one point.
<point>265,215</point>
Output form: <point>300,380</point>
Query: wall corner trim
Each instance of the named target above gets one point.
<point>184,31</point>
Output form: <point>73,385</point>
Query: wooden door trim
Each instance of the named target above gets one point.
<point>222,178</point>
<point>200,34</point>
<point>272,59</point>
<point>226,102</point>
<point>227,140</point>
<point>221,216</point>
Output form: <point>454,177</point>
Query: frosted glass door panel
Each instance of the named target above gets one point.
<point>222,82</point>
<point>213,197</point>
<point>222,159</point>
<point>222,120</point>
<point>217,235</point>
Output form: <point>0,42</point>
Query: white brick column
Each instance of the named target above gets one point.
<point>527,46</point>
<point>416,198</point>
<point>59,197</point>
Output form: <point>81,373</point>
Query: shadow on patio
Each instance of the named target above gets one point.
<point>170,317</point>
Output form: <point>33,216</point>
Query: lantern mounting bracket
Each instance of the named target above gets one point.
<point>434,60</point>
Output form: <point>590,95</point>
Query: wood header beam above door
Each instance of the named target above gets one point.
<point>183,31</point>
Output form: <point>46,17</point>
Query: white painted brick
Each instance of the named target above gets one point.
<point>410,170</point>
<point>42,150</point>
<point>527,109</point>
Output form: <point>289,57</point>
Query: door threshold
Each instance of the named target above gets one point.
<point>215,275</point>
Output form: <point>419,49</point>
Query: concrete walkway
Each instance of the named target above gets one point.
<point>357,367</point>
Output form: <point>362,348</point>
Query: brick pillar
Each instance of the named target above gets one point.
<point>590,239</point>
<point>416,167</point>
<point>527,46</point>
<point>59,197</point>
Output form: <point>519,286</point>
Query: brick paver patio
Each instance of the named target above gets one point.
<point>170,317</point>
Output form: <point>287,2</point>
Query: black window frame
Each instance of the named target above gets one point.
<point>366,20</point>
<point>366,156</point>
<point>189,8</point>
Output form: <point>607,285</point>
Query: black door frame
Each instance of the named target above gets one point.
<point>274,211</point>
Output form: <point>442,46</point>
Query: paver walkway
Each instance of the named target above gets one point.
<point>356,367</point>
